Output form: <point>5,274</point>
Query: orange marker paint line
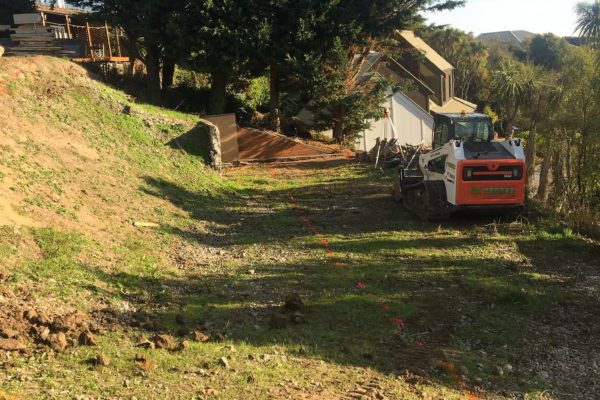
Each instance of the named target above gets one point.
<point>461,384</point>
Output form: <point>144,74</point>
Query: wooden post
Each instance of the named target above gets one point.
<point>68,21</point>
<point>118,35</point>
<point>89,37</point>
<point>108,40</point>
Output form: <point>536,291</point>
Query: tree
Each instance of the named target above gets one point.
<point>222,41</point>
<point>152,30</point>
<point>10,7</point>
<point>340,101</point>
<point>588,21</point>
<point>579,124</point>
<point>509,86</point>
<point>355,28</point>
<point>548,51</point>
<point>468,56</point>
<point>541,96</point>
<point>287,32</point>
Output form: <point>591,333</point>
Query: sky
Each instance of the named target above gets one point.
<point>537,16</point>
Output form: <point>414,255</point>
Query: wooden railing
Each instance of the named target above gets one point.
<point>101,44</point>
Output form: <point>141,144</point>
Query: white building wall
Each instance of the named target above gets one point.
<point>413,124</point>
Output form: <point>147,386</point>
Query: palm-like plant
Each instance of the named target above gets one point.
<point>542,95</point>
<point>509,87</point>
<point>588,21</point>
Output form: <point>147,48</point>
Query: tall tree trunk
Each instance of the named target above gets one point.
<point>218,91</point>
<point>570,186</point>
<point>168,74</point>
<point>581,158</point>
<point>542,193</point>
<point>338,132</point>
<point>558,178</point>
<point>338,125</point>
<point>511,117</point>
<point>530,153</point>
<point>275,117</point>
<point>153,72</point>
<point>130,43</point>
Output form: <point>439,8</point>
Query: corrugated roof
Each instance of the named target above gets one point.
<point>454,105</point>
<point>432,55</point>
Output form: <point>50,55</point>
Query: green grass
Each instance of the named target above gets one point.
<point>472,293</point>
<point>397,298</point>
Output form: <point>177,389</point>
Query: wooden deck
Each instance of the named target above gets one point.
<point>39,33</point>
<point>100,59</point>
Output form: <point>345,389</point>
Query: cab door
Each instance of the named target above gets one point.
<point>440,134</point>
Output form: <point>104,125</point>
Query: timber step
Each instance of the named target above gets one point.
<point>35,41</point>
<point>42,49</point>
<point>34,44</point>
<point>16,38</point>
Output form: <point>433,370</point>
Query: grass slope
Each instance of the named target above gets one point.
<point>395,308</point>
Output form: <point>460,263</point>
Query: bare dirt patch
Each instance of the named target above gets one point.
<point>265,146</point>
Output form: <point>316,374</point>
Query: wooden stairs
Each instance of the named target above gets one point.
<point>33,40</point>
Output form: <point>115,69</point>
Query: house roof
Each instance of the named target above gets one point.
<point>454,105</point>
<point>506,36</point>
<point>433,56</point>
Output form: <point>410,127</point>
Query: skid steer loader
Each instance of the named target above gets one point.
<point>466,169</point>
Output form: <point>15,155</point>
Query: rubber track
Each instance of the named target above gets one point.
<point>428,201</point>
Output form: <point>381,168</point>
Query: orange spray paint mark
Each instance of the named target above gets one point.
<point>459,381</point>
<point>399,322</point>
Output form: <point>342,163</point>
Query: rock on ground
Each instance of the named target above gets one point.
<point>11,345</point>
<point>87,338</point>
<point>200,336</point>
<point>293,302</point>
<point>58,342</point>
<point>163,342</point>
<point>101,359</point>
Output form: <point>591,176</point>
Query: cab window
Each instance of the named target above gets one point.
<point>438,165</point>
<point>473,131</point>
<point>441,135</point>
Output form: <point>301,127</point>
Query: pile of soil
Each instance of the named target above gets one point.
<point>257,145</point>
<point>26,326</point>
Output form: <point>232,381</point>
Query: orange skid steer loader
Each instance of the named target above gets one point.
<point>467,169</point>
